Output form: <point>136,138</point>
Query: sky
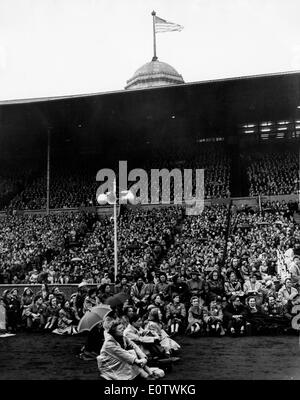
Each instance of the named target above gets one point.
<point>66,47</point>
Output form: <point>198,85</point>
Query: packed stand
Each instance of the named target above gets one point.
<point>181,276</point>
<point>73,186</point>
<point>143,236</point>
<point>29,242</point>
<point>273,173</point>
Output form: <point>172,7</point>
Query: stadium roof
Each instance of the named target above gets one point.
<point>43,99</point>
<point>184,112</point>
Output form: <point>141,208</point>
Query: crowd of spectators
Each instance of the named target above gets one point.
<point>13,179</point>
<point>200,241</point>
<point>66,248</point>
<point>75,185</point>
<point>200,278</point>
<point>273,173</point>
<point>29,242</point>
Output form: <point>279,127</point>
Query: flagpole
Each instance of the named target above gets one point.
<point>115,233</point>
<point>154,36</point>
<point>48,172</point>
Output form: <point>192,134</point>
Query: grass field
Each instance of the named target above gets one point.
<point>47,356</point>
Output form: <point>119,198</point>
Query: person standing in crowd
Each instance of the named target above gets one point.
<point>60,297</point>
<point>78,301</point>
<point>44,292</point>
<point>11,310</point>
<point>14,311</point>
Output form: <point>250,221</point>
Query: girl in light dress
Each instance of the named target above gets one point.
<point>154,327</point>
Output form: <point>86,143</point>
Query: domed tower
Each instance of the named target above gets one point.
<point>154,73</point>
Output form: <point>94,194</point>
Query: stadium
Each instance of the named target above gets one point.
<point>244,133</point>
<point>214,295</point>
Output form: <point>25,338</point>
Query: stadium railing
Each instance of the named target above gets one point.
<point>67,289</point>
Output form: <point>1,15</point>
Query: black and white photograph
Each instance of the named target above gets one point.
<point>149,192</point>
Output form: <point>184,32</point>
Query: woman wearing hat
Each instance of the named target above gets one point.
<point>196,285</point>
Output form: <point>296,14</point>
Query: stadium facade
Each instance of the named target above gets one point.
<point>238,112</point>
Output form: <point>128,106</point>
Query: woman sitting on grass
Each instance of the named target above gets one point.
<point>214,318</point>
<point>154,327</point>
<point>175,315</point>
<point>64,325</point>
<point>120,358</point>
<point>196,314</point>
<point>52,314</point>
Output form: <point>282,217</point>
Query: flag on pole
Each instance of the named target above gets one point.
<point>161,25</point>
